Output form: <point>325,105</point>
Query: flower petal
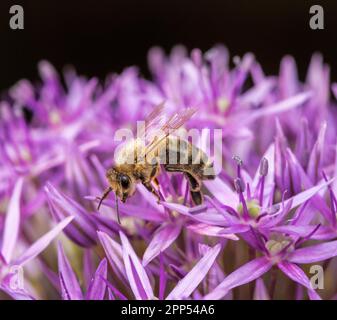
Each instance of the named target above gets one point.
<point>114,290</point>
<point>300,231</point>
<point>295,273</point>
<point>317,202</point>
<point>214,231</point>
<point>88,267</point>
<point>208,216</point>
<point>12,222</point>
<point>307,194</point>
<point>71,289</point>
<point>16,294</point>
<point>313,295</point>
<point>316,253</point>
<point>278,107</point>
<point>114,253</point>
<point>96,290</point>
<point>39,245</point>
<point>260,292</point>
<point>315,160</point>
<point>145,213</point>
<point>245,274</point>
<point>222,192</point>
<point>190,282</point>
<point>139,281</point>
<point>83,230</point>
<point>162,277</point>
<point>281,106</point>
<point>161,240</point>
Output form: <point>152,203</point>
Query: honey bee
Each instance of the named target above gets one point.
<point>140,160</point>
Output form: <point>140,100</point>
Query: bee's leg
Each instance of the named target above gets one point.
<point>155,168</point>
<point>195,186</point>
<point>149,187</point>
<point>156,182</point>
<point>197,197</point>
<point>154,173</point>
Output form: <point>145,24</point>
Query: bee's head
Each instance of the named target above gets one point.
<point>121,183</point>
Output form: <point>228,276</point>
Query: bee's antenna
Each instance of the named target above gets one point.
<point>104,195</point>
<point>117,210</point>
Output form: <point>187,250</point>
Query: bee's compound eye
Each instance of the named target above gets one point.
<point>125,181</point>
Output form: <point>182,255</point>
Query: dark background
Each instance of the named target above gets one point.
<point>100,36</point>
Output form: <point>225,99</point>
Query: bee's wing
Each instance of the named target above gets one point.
<point>161,125</point>
<point>153,123</point>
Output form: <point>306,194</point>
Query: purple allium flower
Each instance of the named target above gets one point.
<point>270,209</point>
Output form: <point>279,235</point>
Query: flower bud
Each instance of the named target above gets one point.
<point>264,167</point>
<point>239,185</point>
